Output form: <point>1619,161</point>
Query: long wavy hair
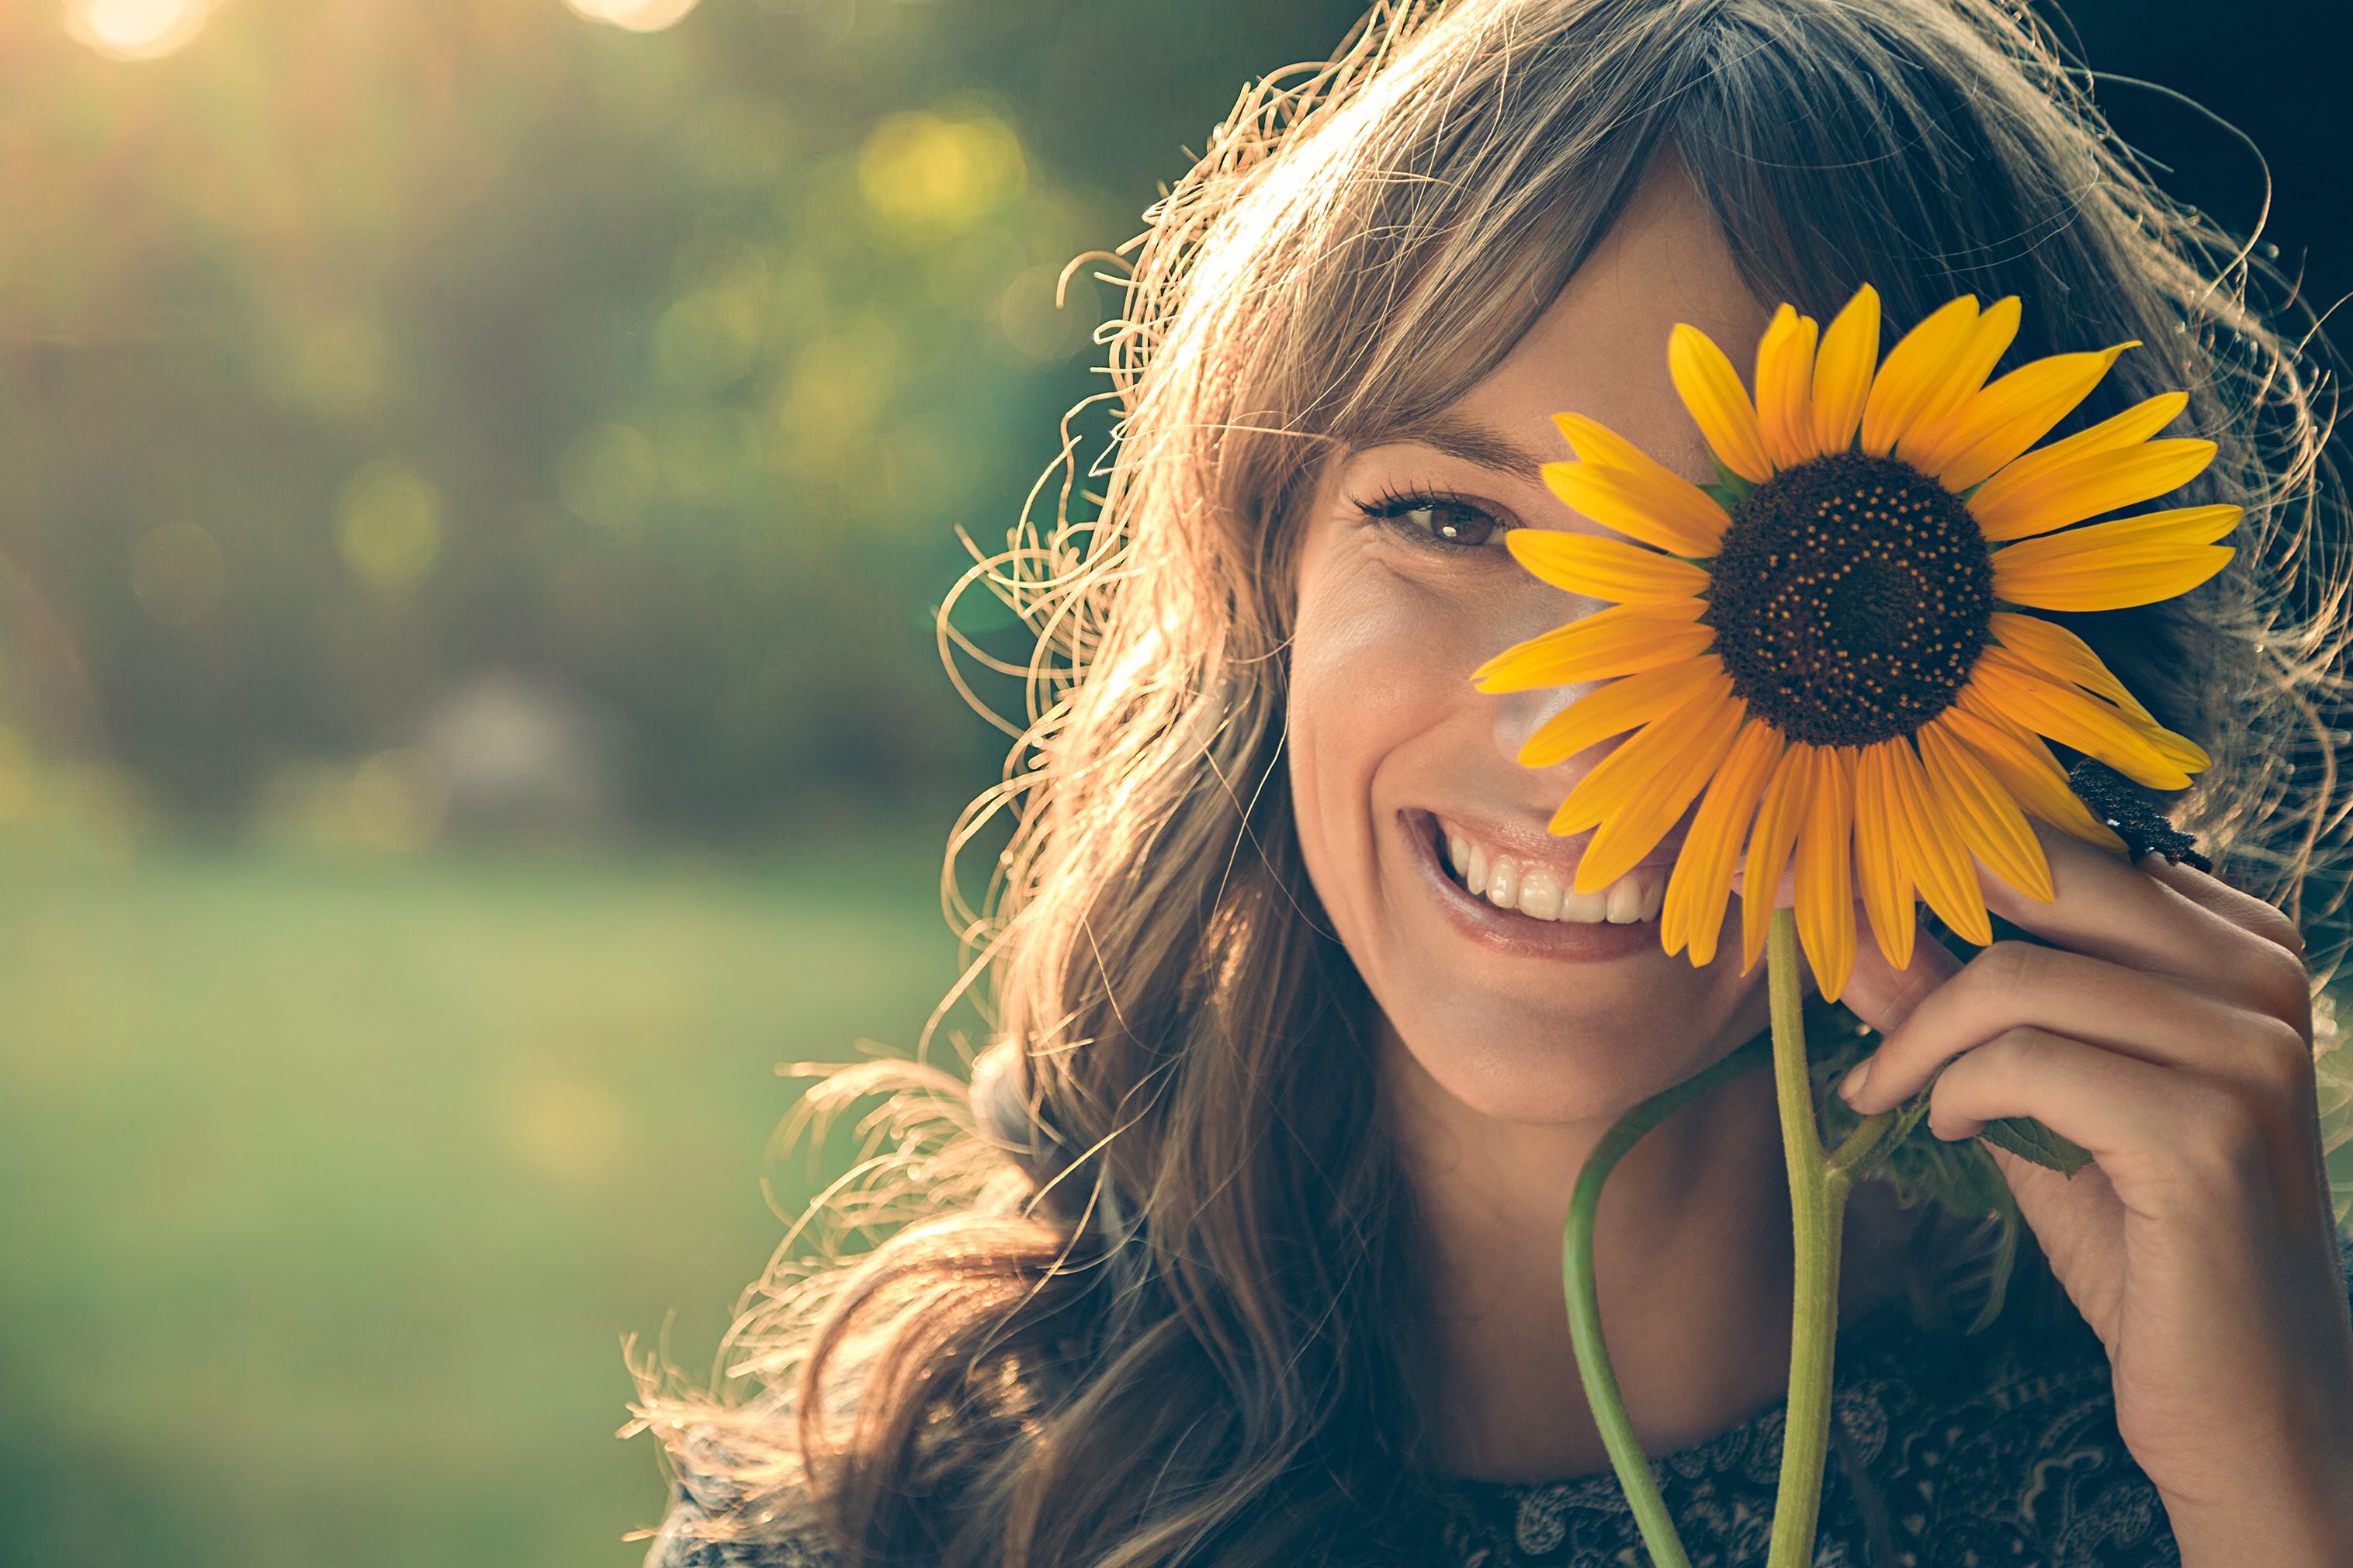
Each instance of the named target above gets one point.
<point>1142,1293</point>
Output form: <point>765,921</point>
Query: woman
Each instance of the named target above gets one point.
<point>1245,1248</point>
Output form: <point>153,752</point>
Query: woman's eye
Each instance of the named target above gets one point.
<point>1444,523</point>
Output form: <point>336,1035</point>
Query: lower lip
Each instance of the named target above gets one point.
<point>1519,935</point>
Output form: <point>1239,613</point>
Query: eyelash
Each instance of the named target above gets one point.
<point>1396,509</point>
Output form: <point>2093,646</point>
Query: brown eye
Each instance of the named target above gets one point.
<point>1447,522</point>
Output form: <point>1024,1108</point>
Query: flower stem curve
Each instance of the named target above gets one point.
<point>1593,1369</point>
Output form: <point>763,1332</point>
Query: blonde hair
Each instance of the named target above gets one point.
<point>1142,1295</point>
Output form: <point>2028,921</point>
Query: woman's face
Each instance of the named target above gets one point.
<point>1523,1001</point>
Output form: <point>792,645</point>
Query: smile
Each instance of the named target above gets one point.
<point>1545,890</point>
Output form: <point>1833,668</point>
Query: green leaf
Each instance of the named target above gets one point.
<point>1729,488</point>
<point>2029,1140</point>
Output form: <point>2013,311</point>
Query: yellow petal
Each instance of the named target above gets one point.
<point>1961,381</point>
<point>2001,422</point>
<point>1770,842</point>
<point>1987,816</point>
<point>1842,368</point>
<point>1933,851</point>
<point>1669,513</point>
<point>1621,640</point>
<point>1912,372</point>
<point>1675,496</point>
<point>2112,566</point>
<point>1878,868</point>
<point>1619,781</point>
<point>1596,443</point>
<point>1603,568</point>
<point>2025,767</point>
<point>2004,685</point>
<point>2179,750</point>
<point>2061,655</point>
<point>2012,507</point>
<point>1701,884</point>
<point>1617,707</point>
<point>2131,427</point>
<point>1785,380</point>
<point>1825,878</point>
<point>1719,405</point>
<point>1684,762</point>
<point>2119,584</point>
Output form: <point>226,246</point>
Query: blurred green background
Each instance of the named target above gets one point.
<point>475,477</point>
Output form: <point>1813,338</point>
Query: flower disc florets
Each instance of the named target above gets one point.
<point>1851,599</point>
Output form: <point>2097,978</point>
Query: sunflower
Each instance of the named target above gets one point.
<point>1831,648</point>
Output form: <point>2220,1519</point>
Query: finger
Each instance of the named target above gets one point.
<point>2109,909</point>
<point>2110,1104</point>
<point>2236,905</point>
<point>1882,995</point>
<point>1785,894</point>
<point>2160,1137</point>
<point>2014,984</point>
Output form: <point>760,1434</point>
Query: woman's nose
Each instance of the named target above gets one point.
<point>1520,714</point>
<point>1534,611</point>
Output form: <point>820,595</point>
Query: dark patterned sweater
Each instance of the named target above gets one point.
<point>1997,1450</point>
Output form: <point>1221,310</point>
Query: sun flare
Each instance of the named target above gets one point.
<point>135,29</point>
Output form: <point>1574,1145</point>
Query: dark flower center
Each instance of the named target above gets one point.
<point>1849,599</point>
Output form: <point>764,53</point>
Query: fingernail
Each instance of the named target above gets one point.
<point>1851,1085</point>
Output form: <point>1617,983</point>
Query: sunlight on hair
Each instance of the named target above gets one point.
<point>636,15</point>
<point>135,29</point>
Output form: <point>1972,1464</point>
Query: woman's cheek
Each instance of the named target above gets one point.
<point>1381,667</point>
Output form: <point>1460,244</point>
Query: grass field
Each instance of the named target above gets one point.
<point>328,1190</point>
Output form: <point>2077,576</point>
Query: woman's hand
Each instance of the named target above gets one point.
<point>2170,1033</point>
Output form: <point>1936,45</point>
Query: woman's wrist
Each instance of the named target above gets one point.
<point>2291,1517</point>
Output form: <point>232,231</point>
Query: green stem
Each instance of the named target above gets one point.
<point>1818,1184</point>
<point>1626,1457</point>
<point>1816,1206</point>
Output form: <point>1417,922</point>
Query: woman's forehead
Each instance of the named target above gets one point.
<point>1600,347</point>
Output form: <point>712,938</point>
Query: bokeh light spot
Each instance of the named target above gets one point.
<point>339,365</point>
<point>176,571</point>
<point>930,171</point>
<point>636,15</point>
<point>709,339</point>
<point>389,521</point>
<point>839,386</point>
<point>572,1131</point>
<point>393,802</point>
<point>397,802</point>
<point>135,29</point>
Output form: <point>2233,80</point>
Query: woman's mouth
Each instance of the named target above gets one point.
<point>1544,889</point>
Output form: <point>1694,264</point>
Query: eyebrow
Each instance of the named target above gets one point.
<point>1474,444</point>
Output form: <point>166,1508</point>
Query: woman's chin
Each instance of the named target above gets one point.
<point>1565,1064</point>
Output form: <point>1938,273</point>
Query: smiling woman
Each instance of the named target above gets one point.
<point>1309,1008</point>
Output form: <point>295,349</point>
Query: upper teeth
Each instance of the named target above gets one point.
<point>1545,893</point>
